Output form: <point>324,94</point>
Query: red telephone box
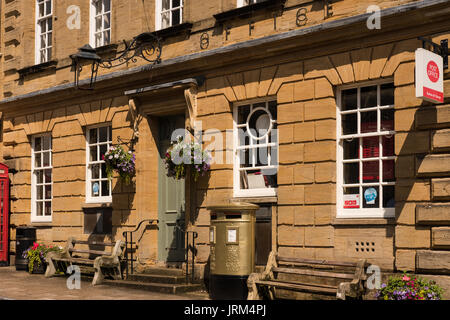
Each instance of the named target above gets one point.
<point>4,214</point>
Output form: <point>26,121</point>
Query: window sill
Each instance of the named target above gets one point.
<point>183,28</point>
<point>264,199</point>
<point>106,49</point>
<point>41,224</point>
<point>96,205</point>
<point>363,221</point>
<point>37,68</point>
<point>249,10</point>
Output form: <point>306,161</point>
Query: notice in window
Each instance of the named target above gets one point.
<point>351,201</point>
<point>231,235</point>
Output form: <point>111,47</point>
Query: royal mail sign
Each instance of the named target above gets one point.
<point>429,76</point>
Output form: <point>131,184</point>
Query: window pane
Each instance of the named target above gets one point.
<point>368,121</point>
<point>103,150</point>
<point>387,94</point>
<point>39,209</point>
<point>48,6</point>
<point>106,21</point>
<point>351,149</point>
<point>371,171</point>
<point>165,5</point>
<point>107,5</point>
<point>41,9</point>
<point>43,41</point>
<point>387,120</point>
<point>103,167</point>
<point>93,153</point>
<point>37,144</point>
<point>98,24</point>
<point>351,198</point>
<point>176,15</point>
<point>175,3</point>
<point>48,192</point>
<point>37,160</point>
<point>106,38</point>
<point>48,208</point>
<point>48,176</point>
<point>388,197</point>
<point>39,176</point>
<point>349,99</point>
<point>165,20</point>
<point>273,109</point>
<point>93,136</point>
<point>46,159</point>
<point>243,112</point>
<point>371,197</point>
<point>388,170</point>
<point>95,189</point>
<point>369,97</point>
<point>103,134</point>
<point>49,24</point>
<point>39,193</point>
<point>349,124</point>
<point>371,147</point>
<point>388,146</point>
<point>95,170</point>
<point>98,6</point>
<point>351,173</point>
<point>105,188</point>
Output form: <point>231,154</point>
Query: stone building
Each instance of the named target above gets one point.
<point>339,89</point>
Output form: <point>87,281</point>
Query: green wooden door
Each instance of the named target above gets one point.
<point>171,199</point>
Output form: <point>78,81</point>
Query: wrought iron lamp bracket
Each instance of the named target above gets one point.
<point>146,46</point>
<point>441,49</point>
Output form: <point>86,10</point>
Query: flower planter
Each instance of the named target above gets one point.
<point>39,269</point>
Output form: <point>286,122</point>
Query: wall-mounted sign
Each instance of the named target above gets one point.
<point>429,76</point>
<point>351,201</point>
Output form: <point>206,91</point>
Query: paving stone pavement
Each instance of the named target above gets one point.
<point>20,285</point>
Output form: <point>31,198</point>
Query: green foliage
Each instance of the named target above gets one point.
<point>37,253</point>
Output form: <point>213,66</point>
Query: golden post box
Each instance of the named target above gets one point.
<point>232,242</point>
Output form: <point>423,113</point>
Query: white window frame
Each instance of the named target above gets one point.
<point>237,191</point>
<point>362,212</point>
<point>93,14</point>
<point>34,169</point>
<point>39,33</point>
<point>89,197</point>
<point>243,3</point>
<point>159,12</point>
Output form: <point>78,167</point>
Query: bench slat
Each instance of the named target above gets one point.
<point>77,260</point>
<point>315,273</point>
<point>319,262</point>
<point>292,286</point>
<point>95,243</point>
<point>90,251</point>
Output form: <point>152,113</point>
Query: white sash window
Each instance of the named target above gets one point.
<point>366,153</point>
<point>169,13</point>
<point>98,187</point>
<point>44,30</point>
<point>41,179</point>
<point>100,23</point>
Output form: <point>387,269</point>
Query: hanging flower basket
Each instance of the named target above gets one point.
<point>182,156</point>
<point>117,159</point>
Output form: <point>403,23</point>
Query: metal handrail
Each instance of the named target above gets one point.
<point>125,234</point>
<point>187,249</point>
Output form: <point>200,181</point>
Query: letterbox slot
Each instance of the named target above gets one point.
<point>233,216</point>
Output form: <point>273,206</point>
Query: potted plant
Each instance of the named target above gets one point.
<point>117,159</point>
<point>409,288</point>
<point>184,156</point>
<point>36,257</point>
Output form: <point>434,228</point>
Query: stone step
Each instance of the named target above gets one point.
<point>155,287</point>
<point>157,278</point>
<point>163,271</point>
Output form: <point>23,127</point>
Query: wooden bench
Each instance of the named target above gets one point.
<point>104,263</point>
<point>326,278</point>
